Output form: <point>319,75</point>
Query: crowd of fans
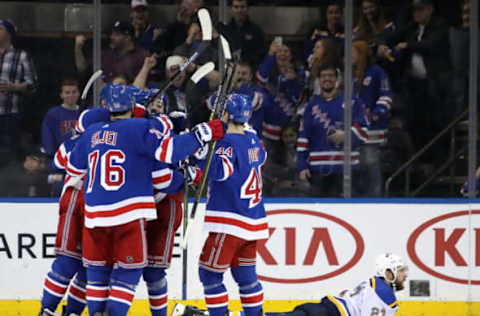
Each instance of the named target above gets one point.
<point>409,80</point>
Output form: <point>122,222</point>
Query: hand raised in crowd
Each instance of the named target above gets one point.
<point>304,175</point>
<point>193,33</point>
<point>274,47</point>
<point>80,40</point>
<point>150,61</point>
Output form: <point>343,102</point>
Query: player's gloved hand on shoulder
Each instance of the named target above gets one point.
<point>205,132</point>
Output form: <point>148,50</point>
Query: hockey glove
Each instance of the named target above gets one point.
<point>205,132</point>
<point>194,175</point>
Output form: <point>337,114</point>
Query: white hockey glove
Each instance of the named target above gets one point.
<point>205,132</point>
<point>201,153</point>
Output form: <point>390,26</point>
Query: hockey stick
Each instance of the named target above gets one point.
<point>206,26</point>
<point>83,99</point>
<point>219,108</point>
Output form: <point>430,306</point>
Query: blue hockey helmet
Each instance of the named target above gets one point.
<point>117,98</point>
<point>239,107</point>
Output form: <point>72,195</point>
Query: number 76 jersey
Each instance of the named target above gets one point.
<point>234,204</point>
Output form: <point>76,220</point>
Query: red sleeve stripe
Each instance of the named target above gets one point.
<point>60,159</point>
<point>75,171</point>
<point>79,125</point>
<point>227,168</point>
<point>257,100</point>
<point>162,178</point>
<point>357,130</point>
<point>164,151</point>
<point>168,124</point>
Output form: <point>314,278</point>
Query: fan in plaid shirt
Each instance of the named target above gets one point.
<point>17,77</point>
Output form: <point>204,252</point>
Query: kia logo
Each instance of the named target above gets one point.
<point>446,243</point>
<point>307,246</point>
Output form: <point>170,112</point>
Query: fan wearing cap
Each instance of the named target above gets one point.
<point>146,33</point>
<point>122,56</point>
<point>17,78</point>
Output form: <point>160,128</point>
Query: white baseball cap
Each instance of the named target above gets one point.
<point>174,60</point>
<point>138,3</point>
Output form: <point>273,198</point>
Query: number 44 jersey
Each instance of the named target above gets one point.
<point>235,203</point>
<point>370,298</point>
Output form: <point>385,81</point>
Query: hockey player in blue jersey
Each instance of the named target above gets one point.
<point>321,136</point>
<point>375,296</point>
<point>235,216</point>
<point>117,159</point>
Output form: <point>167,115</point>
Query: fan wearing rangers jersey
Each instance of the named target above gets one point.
<point>117,159</point>
<point>375,296</point>
<point>235,216</point>
<point>321,136</point>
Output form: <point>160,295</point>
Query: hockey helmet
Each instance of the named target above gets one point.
<point>117,98</point>
<point>239,107</point>
<point>388,261</point>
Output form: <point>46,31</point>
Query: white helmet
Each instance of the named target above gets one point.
<point>388,261</point>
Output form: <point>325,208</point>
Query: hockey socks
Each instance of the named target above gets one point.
<point>57,280</point>
<point>97,288</point>
<point>157,290</point>
<point>216,296</point>
<point>76,299</point>
<point>122,290</point>
<point>251,291</point>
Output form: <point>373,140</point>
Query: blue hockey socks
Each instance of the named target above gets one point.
<point>57,280</point>
<point>122,290</point>
<point>76,299</point>
<point>97,288</point>
<point>251,291</point>
<point>216,296</point>
<point>157,290</point>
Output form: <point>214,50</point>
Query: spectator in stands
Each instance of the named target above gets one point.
<point>183,94</point>
<point>372,24</point>
<point>320,142</point>
<point>372,87</point>
<point>176,32</point>
<point>425,47</point>
<point>146,33</point>
<point>246,38</point>
<point>27,179</point>
<point>17,78</point>
<point>325,52</point>
<point>122,57</point>
<point>58,124</point>
<point>192,42</point>
<point>332,28</point>
<point>280,170</point>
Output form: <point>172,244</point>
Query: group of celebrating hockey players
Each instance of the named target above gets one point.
<point>121,204</point>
